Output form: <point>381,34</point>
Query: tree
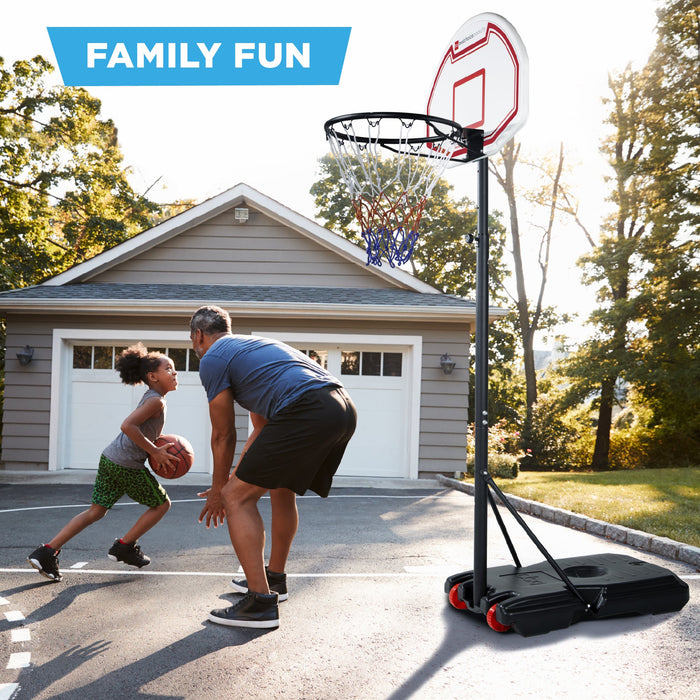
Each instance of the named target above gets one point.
<point>530,316</point>
<point>666,367</point>
<point>599,364</point>
<point>64,194</point>
<point>646,260</point>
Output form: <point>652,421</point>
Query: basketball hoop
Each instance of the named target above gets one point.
<point>389,195</point>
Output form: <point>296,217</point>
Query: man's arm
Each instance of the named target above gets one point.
<point>223,447</point>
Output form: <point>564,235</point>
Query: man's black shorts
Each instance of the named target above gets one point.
<point>301,447</point>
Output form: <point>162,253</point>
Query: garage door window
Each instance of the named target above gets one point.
<point>320,356</point>
<point>104,357</point>
<point>371,364</point>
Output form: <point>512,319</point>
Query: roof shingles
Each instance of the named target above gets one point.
<point>221,294</point>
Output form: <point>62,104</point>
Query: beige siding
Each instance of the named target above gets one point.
<point>443,404</point>
<point>444,401</point>
<point>260,252</point>
<point>25,441</point>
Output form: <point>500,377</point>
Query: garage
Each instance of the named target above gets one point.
<point>382,331</point>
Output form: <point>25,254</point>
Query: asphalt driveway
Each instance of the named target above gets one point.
<point>366,615</point>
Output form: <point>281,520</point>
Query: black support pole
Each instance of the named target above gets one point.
<point>481,387</point>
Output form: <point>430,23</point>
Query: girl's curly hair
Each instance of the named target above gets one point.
<point>136,362</point>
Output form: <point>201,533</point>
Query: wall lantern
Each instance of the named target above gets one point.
<point>25,355</point>
<point>447,364</point>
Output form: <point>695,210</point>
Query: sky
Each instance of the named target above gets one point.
<point>195,142</point>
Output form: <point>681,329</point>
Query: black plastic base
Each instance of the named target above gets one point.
<point>534,600</point>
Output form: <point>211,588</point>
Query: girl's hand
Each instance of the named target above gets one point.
<point>165,462</point>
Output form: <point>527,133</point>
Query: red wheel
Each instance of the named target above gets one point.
<point>455,600</point>
<point>493,623</point>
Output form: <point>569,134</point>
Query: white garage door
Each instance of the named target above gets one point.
<point>378,377</point>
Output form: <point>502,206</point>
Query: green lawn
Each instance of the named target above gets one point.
<point>664,502</point>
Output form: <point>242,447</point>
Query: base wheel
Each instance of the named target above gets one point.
<point>493,623</point>
<point>455,600</point>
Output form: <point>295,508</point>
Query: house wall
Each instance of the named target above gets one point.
<point>260,252</point>
<point>443,399</point>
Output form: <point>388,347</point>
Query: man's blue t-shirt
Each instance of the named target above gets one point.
<point>265,375</point>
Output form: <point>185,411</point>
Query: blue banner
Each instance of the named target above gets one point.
<point>200,55</point>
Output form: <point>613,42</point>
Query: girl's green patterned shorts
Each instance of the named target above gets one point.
<point>113,481</point>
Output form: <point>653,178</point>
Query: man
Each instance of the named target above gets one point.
<point>302,422</point>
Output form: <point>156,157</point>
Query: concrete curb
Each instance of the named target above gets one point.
<point>663,546</point>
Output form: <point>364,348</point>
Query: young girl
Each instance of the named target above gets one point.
<point>122,468</point>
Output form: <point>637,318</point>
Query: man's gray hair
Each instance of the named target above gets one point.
<point>210,320</point>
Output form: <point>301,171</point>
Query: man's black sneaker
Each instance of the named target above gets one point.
<point>128,553</point>
<point>257,610</point>
<point>45,560</point>
<point>276,582</point>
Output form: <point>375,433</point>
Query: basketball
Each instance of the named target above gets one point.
<point>179,448</point>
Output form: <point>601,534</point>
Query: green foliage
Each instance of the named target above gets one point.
<point>646,261</point>
<point>501,466</point>
<point>64,195</point>
<point>549,436</point>
<point>665,367</point>
<point>666,356</point>
<point>564,437</point>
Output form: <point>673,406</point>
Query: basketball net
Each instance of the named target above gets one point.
<point>389,194</point>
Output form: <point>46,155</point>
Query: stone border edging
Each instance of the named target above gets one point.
<point>663,546</point>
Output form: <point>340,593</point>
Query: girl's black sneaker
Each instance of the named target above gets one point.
<point>45,560</point>
<point>128,553</point>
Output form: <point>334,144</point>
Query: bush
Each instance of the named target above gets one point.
<point>503,451</point>
<point>503,466</point>
<point>629,448</point>
<point>549,436</point>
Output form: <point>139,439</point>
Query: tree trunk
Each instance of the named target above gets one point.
<point>601,451</point>
<point>510,156</point>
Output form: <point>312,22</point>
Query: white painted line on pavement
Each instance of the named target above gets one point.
<point>427,570</point>
<point>410,571</point>
<point>414,497</point>
<point>14,616</point>
<point>140,572</point>
<point>21,659</point>
<point>21,635</point>
<point>79,564</point>
<point>4,601</point>
<point>7,690</point>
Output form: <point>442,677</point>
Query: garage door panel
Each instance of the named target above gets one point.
<point>188,415</point>
<point>98,410</point>
<point>378,447</point>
